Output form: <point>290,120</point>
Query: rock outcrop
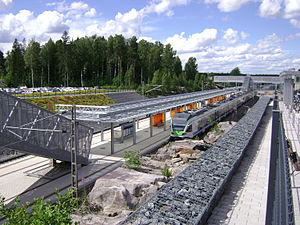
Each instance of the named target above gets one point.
<point>122,189</point>
<point>223,128</point>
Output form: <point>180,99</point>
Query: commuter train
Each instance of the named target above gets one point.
<point>190,123</point>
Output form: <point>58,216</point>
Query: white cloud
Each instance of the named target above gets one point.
<point>91,13</point>
<point>231,36</point>
<point>289,9</point>
<point>79,19</point>
<point>76,9</point>
<point>12,25</point>
<point>264,56</point>
<point>193,42</point>
<point>164,6</point>
<point>244,35</point>
<point>295,23</point>
<point>25,25</point>
<point>4,4</point>
<point>292,9</point>
<point>51,22</point>
<point>270,8</point>
<point>128,24</point>
<point>228,5</point>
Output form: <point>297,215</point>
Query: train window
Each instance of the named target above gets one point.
<point>178,128</point>
<point>189,129</point>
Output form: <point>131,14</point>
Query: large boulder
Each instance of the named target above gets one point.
<point>121,189</point>
<point>152,163</point>
<point>178,149</point>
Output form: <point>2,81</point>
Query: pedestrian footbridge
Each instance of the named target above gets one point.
<point>33,130</point>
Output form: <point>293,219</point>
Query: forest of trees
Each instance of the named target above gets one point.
<point>96,61</point>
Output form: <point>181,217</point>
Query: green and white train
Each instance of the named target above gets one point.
<point>190,123</point>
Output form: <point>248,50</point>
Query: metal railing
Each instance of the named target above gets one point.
<point>279,203</point>
<point>28,128</point>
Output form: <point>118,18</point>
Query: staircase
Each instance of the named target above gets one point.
<point>28,128</point>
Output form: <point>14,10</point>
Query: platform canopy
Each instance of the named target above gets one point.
<point>123,112</point>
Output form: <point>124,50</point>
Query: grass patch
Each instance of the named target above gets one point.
<point>49,102</point>
<point>132,160</point>
<point>166,172</point>
<point>76,92</point>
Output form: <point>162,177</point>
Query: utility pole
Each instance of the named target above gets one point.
<point>81,78</point>
<point>143,89</point>
<point>74,146</point>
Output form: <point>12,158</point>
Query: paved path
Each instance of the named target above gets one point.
<point>291,124</point>
<point>244,201</point>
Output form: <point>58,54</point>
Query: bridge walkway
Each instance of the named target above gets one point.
<point>244,201</point>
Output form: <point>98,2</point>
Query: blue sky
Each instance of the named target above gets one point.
<point>258,36</point>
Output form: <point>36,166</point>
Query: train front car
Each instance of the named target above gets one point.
<point>182,123</point>
<point>179,123</point>
<point>190,123</point>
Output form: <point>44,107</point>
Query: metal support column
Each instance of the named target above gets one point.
<point>288,91</point>
<point>74,150</point>
<point>298,126</point>
<point>138,123</point>
<point>122,134</point>
<point>150,125</point>
<point>52,162</point>
<point>165,120</point>
<point>134,131</point>
<point>102,131</point>
<point>112,139</point>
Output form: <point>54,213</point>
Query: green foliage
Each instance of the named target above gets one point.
<point>96,61</point>
<point>191,68</point>
<point>32,60</point>
<point>214,125</point>
<point>49,102</point>
<point>16,65</point>
<point>129,76</point>
<point>166,172</point>
<point>2,66</point>
<point>42,213</point>
<point>235,71</point>
<point>132,160</point>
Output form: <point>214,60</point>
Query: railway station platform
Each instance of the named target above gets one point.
<point>245,200</point>
<point>103,147</point>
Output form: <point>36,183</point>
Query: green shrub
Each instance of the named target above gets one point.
<point>166,172</point>
<point>41,212</point>
<point>132,160</point>
<point>214,125</point>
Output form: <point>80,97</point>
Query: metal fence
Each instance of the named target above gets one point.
<point>28,128</point>
<point>280,203</point>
